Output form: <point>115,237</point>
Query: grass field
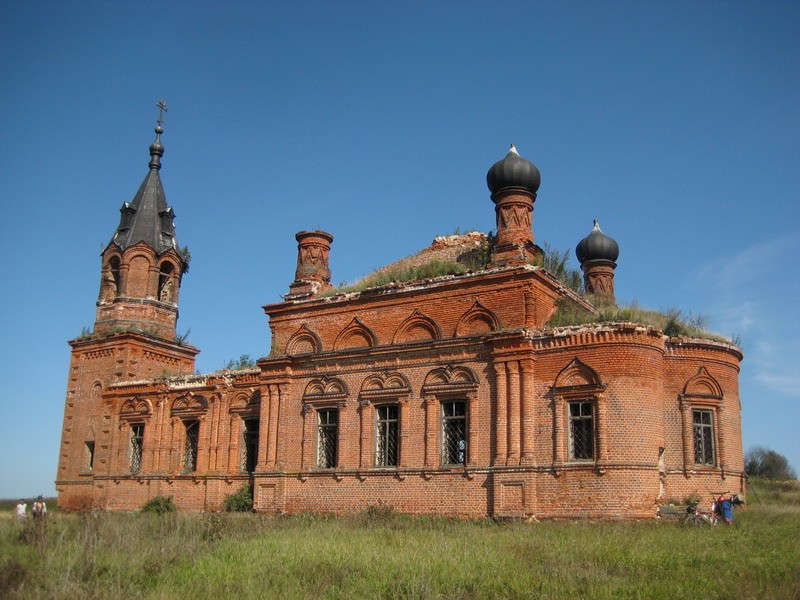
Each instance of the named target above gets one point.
<point>379,554</point>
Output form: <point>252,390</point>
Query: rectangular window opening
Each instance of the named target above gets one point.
<point>454,433</point>
<point>190,446</point>
<point>89,456</point>
<point>137,442</point>
<point>581,430</point>
<point>250,445</point>
<point>387,435</point>
<point>703,429</point>
<point>327,437</point>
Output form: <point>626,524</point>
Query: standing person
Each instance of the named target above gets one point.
<point>20,513</point>
<point>39,509</point>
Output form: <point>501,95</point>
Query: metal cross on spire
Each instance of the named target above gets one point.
<point>162,108</point>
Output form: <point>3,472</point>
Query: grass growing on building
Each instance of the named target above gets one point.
<point>382,554</point>
<point>382,277</point>
<point>672,322</point>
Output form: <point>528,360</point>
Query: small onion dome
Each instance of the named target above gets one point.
<point>513,172</point>
<point>597,246</point>
<point>156,149</point>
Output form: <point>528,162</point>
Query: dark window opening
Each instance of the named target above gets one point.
<point>89,456</point>
<point>250,439</point>
<point>190,447</point>
<point>137,442</point>
<point>454,433</point>
<point>114,265</point>
<point>166,283</point>
<point>581,429</point>
<point>327,437</point>
<point>703,428</point>
<point>387,436</point>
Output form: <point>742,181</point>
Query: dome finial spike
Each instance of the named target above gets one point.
<point>156,149</point>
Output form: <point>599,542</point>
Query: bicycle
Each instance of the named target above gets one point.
<point>695,516</point>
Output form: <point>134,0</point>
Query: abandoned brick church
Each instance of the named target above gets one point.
<point>450,394</point>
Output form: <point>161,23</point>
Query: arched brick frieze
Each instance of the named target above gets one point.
<point>703,385</point>
<point>325,388</point>
<point>477,320</point>
<point>245,402</point>
<point>189,405</point>
<point>355,335</point>
<point>580,427</point>
<point>386,384</point>
<point>303,341</point>
<point>135,408</point>
<point>417,328</point>
<point>449,394</point>
<point>702,419</point>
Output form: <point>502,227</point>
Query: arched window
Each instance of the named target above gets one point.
<point>166,282</point>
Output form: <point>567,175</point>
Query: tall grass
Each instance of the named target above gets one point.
<point>379,554</point>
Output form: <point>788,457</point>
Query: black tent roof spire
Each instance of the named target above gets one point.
<point>148,218</point>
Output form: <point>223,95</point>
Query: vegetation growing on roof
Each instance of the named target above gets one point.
<point>672,322</point>
<point>243,362</point>
<point>555,263</point>
<point>381,277</point>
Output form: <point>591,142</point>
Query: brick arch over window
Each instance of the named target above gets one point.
<point>303,341</point>
<point>325,388</point>
<point>580,427</point>
<point>135,408</point>
<point>450,380</point>
<point>355,335</point>
<point>418,327</point>
<point>246,403</point>
<point>477,320</point>
<point>577,373</point>
<point>703,385</point>
<point>386,384</point>
<point>189,405</point>
<point>702,419</point>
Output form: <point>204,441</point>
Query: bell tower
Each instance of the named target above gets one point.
<point>134,336</point>
<point>142,265</point>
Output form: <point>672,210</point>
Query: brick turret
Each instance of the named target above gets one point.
<point>313,274</point>
<point>597,253</point>
<point>513,183</point>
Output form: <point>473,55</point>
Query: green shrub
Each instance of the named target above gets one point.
<point>239,501</point>
<point>159,505</point>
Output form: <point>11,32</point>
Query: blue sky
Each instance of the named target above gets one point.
<point>675,124</point>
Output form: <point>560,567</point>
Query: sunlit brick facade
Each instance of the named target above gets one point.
<point>450,395</point>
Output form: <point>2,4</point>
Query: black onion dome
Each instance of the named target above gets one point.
<point>513,171</point>
<point>597,246</point>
